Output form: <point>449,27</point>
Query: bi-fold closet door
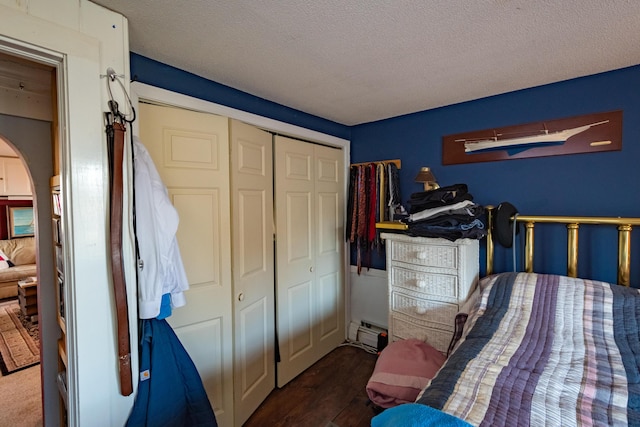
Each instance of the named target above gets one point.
<point>252,267</point>
<point>191,152</point>
<point>309,195</point>
<point>308,294</point>
<point>219,175</point>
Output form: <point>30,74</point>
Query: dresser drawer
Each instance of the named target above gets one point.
<point>425,255</point>
<point>427,312</point>
<point>433,285</point>
<point>404,329</point>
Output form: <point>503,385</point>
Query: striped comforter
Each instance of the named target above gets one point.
<point>544,350</point>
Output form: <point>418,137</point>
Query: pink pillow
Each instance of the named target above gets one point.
<point>402,370</point>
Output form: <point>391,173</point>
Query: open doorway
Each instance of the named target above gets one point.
<point>20,381</point>
<point>27,105</point>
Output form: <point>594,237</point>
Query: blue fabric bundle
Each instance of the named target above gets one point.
<point>416,415</point>
<point>170,392</point>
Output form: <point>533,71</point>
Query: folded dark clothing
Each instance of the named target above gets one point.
<point>474,230</point>
<point>450,221</point>
<point>439,197</point>
<point>465,214</point>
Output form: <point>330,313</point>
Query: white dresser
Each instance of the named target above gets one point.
<point>429,279</point>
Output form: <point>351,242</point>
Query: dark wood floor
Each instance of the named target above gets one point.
<point>332,390</point>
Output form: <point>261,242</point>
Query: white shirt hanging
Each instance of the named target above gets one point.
<point>161,270</point>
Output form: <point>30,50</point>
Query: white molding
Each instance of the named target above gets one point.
<point>78,37</point>
<point>165,97</point>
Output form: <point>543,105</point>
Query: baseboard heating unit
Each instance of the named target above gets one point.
<point>366,333</point>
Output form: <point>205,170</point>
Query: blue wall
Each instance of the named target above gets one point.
<point>157,74</point>
<point>603,184</point>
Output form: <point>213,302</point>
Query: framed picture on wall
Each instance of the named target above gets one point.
<point>20,221</point>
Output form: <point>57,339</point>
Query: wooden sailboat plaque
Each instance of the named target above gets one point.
<point>581,134</point>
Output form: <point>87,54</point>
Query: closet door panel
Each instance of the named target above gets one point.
<point>329,193</point>
<point>329,301</point>
<point>202,261</point>
<point>329,215</point>
<point>253,267</point>
<point>191,159</point>
<point>327,259</point>
<point>205,343</point>
<point>190,149</point>
<point>299,231</point>
<point>191,152</point>
<point>252,233</point>
<point>255,365</point>
<point>298,166</point>
<point>299,306</point>
<point>309,192</point>
<point>295,245</point>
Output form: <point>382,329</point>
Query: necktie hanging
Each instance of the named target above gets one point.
<point>374,193</point>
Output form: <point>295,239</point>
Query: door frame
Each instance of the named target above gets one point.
<point>78,57</point>
<point>47,306</point>
<point>144,92</point>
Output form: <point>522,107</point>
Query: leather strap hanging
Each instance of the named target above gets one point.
<point>119,284</point>
<point>115,129</point>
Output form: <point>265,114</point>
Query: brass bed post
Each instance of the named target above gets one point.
<point>624,254</point>
<point>572,250</point>
<point>528,247</point>
<point>489,240</point>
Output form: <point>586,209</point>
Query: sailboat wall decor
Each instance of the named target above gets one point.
<point>580,134</point>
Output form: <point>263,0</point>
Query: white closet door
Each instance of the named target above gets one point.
<point>191,152</point>
<point>329,246</point>
<point>253,268</point>
<point>309,228</point>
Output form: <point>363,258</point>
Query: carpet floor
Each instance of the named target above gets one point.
<point>19,347</point>
<point>21,399</point>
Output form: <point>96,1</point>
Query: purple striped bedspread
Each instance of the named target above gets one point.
<point>544,350</point>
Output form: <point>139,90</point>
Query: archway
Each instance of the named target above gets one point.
<point>31,139</point>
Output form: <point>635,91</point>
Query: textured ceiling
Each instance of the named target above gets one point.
<point>361,60</point>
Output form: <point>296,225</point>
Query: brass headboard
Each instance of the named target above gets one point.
<point>573,223</point>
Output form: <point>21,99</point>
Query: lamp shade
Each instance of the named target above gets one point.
<point>426,176</point>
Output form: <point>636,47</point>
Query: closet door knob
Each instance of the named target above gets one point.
<point>310,269</point>
<point>240,297</point>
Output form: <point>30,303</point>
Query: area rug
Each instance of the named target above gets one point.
<point>19,346</point>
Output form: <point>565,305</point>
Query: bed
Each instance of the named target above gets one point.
<point>540,349</point>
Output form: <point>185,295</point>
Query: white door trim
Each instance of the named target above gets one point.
<point>166,97</point>
<point>142,91</point>
<point>47,297</point>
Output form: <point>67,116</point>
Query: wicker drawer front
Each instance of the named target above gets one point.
<point>425,255</point>
<point>431,284</point>
<point>428,279</point>
<point>436,313</point>
<point>403,329</point>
